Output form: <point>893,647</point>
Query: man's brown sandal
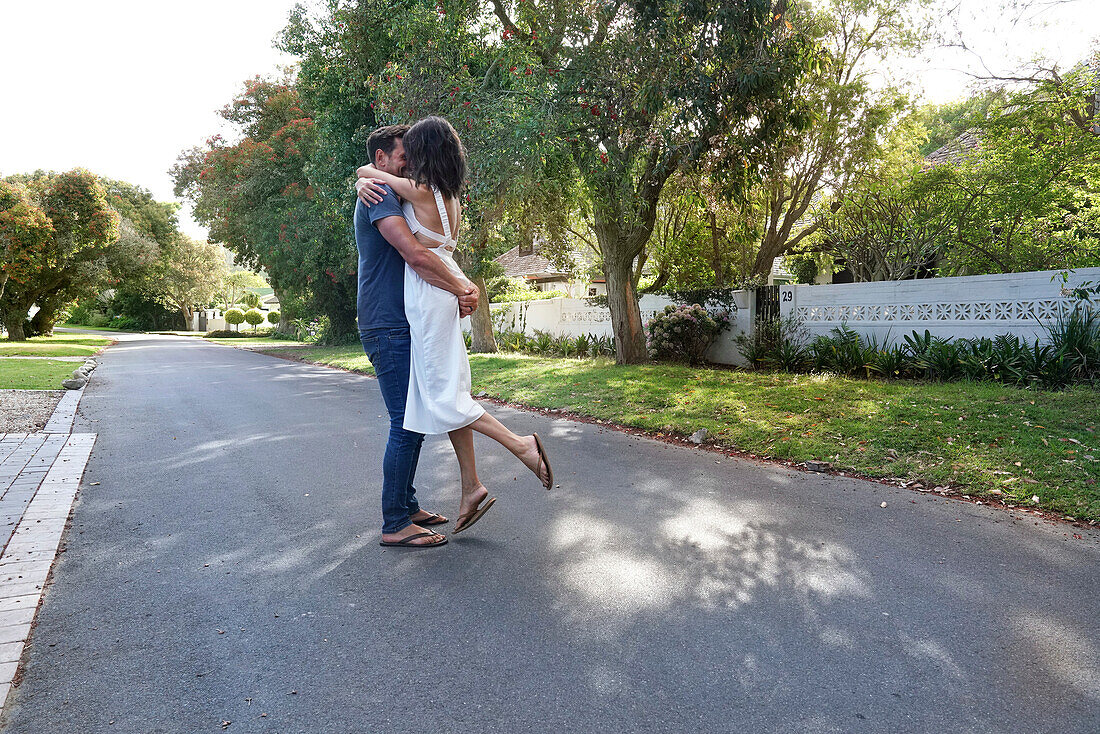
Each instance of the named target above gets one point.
<point>466,520</point>
<point>431,519</point>
<point>407,542</point>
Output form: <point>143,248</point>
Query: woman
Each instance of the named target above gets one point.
<point>439,378</point>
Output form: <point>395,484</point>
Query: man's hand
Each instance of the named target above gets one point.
<point>467,303</point>
<point>370,190</point>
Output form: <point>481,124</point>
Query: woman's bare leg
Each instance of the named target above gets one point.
<point>473,492</point>
<point>523,448</point>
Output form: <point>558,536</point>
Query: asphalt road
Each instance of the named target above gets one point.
<point>223,565</point>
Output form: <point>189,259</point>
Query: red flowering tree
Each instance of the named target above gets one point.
<point>256,198</point>
<point>24,234</point>
<point>72,227</point>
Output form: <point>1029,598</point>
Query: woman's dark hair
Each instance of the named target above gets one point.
<point>435,157</point>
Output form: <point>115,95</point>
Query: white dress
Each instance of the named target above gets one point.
<point>439,377</point>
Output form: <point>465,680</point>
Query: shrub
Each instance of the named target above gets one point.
<point>273,317</point>
<point>603,346</point>
<point>511,290</point>
<point>234,317</point>
<point>842,352</point>
<point>227,334</point>
<point>83,312</point>
<point>541,343</point>
<point>565,346</point>
<point>683,333</point>
<point>511,341</point>
<point>775,343</point>
<point>1076,337</point>
<point>126,323</point>
<point>254,317</point>
<point>582,345</point>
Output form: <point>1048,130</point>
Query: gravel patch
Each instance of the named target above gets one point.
<point>26,411</point>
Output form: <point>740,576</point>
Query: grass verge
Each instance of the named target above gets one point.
<point>33,374</point>
<point>58,345</point>
<point>983,438</point>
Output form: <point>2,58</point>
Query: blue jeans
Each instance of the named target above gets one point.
<point>388,350</point>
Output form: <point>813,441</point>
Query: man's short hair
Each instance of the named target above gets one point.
<point>384,139</point>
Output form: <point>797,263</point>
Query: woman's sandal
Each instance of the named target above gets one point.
<point>407,542</point>
<point>474,515</point>
<point>543,459</point>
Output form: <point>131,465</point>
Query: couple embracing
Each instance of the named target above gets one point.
<point>411,296</point>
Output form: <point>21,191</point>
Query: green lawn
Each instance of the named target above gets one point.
<point>33,374</point>
<point>982,437</point>
<point>58,345</point>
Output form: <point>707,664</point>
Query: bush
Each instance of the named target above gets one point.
<point>273,317</point>
<point>1076,337</point>
<point>83,312</point>
<point>234,317</point>
<point>254,317</point>
<point>511,341</point>
<point>684,333</point>
<point>842,352</point>
<point>775,343</point>
<point>126,323</point>
<point>511,290</point>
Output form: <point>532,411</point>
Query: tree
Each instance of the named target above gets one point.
<point>1026,197</point>
<point>886,230</point>
<point>76,258</point>
<point>944,123</point>
<point>250,299</point>
<point>256,197</point>
<point>25,233</point>
<point>236,284</point>
<point>234,317</point>
<point>621,95</point>
<point>851,114</point>
<point>254,317</point>
<point>193,274</point>
<point>701,239</point>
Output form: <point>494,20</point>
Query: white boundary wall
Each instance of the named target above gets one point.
<point>971,306</point>
<point>573,317</point>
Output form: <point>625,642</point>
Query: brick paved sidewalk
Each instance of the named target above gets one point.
<point>39,477</point>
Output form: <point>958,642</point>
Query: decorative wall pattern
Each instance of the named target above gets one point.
<point>597,316</point>
<point>1029,310</point>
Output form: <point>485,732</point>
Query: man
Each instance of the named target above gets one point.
<point>385,244</point>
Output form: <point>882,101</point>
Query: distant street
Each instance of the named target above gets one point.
<point>223,566</point>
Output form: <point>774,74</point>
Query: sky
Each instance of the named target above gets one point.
<point>121,87</point>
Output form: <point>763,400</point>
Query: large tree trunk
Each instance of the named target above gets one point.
<point>285,327</point>
<point>43,321</point>
<point>770,248</point>
<point>626,317</point>
<point>342,325</point>
<point>188,315</point>
<point>481,322</point>
<point>13,322</point>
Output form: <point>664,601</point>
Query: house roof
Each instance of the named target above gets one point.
<point>957,149</point>
<point>524,266</point>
